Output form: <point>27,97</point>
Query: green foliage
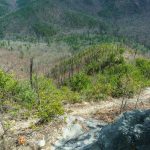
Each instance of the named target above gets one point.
<point>144,66</point>
<point>99,89</point>
<point>91,60</point>
<point>93,67</point>
<point>4,7</point>
<point>45,98</point>
<point>44,30</point>
<point>99,72</point>
<point>7,83</point>
<point>79,41</point>
<point>88,2</point>
<point>19,92</point>
<point>79,82</point>
<point>118,79</point>
<point>25,95</point>
<point>119,9</point>
<point>50,109</point>
<point>70,96</point>
<point>49,99</point>
<point>106,72</point>
<point>125,80</point>
<point>43,16</point>
<point>78,20</point>
<point>23,2</point>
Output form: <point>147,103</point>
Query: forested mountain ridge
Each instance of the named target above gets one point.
<point>4,7</point>
<point>48,18</point>
<point>128,7</point>
<point>9,6</point>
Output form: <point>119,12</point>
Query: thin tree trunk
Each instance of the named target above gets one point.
<point>31,71</point>
<point>122,104</point>
<point>138,98</point>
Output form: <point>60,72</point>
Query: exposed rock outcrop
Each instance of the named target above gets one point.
<point>130,132</point>
<point>1,129</point>
<point>78,133</point>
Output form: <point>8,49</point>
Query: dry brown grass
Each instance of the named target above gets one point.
<point>110,114</point>
<point>12,62</point>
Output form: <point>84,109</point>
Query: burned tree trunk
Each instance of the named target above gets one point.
<point>31,71</point>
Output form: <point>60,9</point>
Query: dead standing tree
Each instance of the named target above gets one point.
<point>31,71</point>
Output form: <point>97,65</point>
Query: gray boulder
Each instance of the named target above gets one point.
<point>130,132</point>
<point>78,133</point>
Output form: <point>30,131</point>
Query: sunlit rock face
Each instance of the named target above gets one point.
<point>130,132</point>
<point>79,133</point>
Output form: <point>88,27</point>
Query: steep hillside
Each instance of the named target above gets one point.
<point>48,18</point>
<point>103,95</point>
<point>4,7</point>
<point>22,3</point>
<point>129,18</point>
<point>119,8</point>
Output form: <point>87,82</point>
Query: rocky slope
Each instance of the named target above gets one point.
<point>81,126</point>
<point>131,131</point>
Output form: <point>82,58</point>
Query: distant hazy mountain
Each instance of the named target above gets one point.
<point>124,7</point>
<point>46,18</point>
<point>4,7</point>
